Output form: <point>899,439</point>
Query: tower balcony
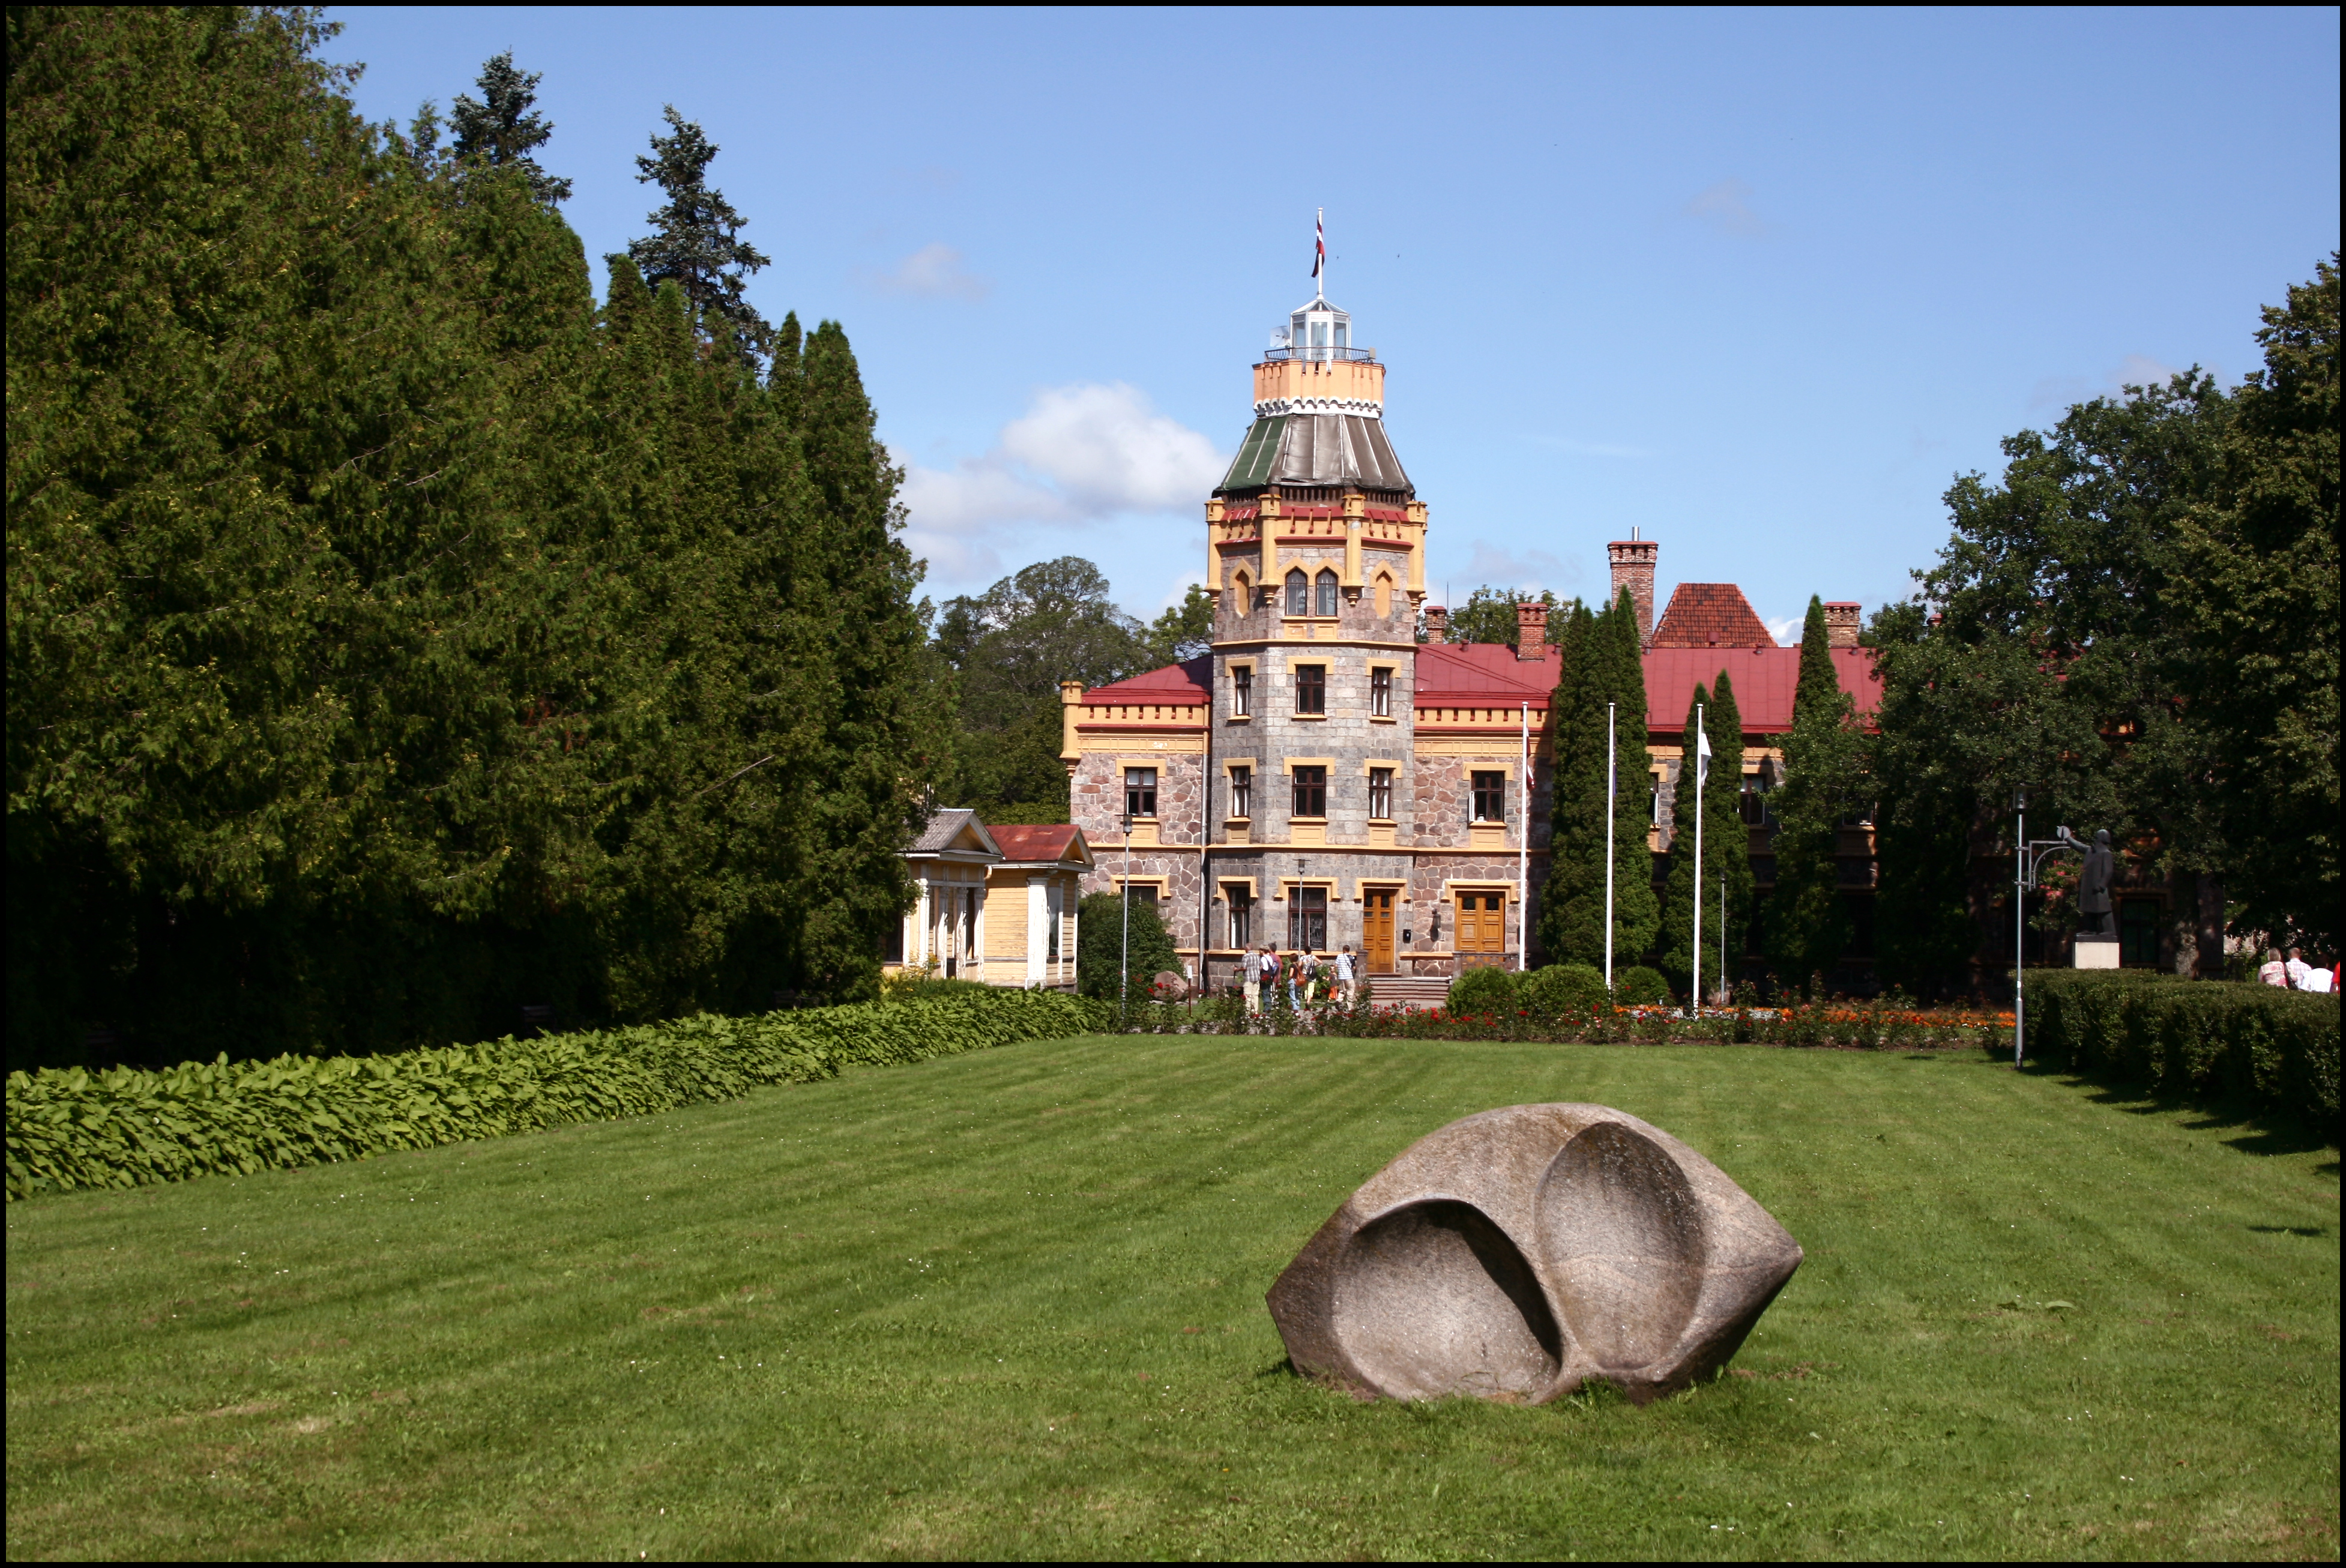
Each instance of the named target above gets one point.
<point>1321,353</point>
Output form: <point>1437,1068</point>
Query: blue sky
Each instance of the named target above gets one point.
<point>1759,283</point>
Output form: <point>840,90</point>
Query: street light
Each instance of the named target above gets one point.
<point>1124,966</point>
<point>2029,856</point>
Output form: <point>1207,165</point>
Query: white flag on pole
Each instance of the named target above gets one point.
<point>1702,758</point>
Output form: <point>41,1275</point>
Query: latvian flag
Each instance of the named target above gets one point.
<point>1320,244</point>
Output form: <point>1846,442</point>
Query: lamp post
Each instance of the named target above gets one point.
<point>2029,855</point>
<point>1124,964</point>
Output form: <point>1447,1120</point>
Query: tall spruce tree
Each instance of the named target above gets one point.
<point>1637,912</point>
<point>1808,924</point>
<point>1678,893</point>
<point>1571,903</point>
<point>1727,843</point>
<point>501,130</point>
<point>1601,664</point>
<point>697,238</point>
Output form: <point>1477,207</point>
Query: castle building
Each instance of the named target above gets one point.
<point>1320,777</point>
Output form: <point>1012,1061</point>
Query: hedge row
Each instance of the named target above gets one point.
<point>72,1128</point>
<point>2205,1040</point>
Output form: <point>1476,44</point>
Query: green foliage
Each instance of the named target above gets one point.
<point>1489,616</point>
<point>2256,592</point>
<point>1562,991</point>
<point>1601,662</point>
<point>695,241</point>
<point>393,640</point>
<point>1100,947</point>
<point>1486,990</point>
<point>1677,945</point>
<point>1727,842</point>
<point>500,130</point>
<point>1002,655</point>
<point>2207,1040</point>
<point>1183,632</point>
<point>1639,986</point>
<point>72,1129</point>
<point>1808,925</point>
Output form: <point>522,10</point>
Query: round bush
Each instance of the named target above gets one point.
<point>1483,991</point>
<point>1640,987</point>
<point>1560,989</point>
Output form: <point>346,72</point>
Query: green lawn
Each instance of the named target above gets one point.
<point>1011,1303</point>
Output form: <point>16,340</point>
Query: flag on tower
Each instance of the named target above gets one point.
<point>1320,244</point>
<point>1702,758</point>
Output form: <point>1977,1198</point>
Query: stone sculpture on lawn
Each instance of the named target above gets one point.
<point>1517,1253</point>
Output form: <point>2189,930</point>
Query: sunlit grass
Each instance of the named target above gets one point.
<point>1011,1303</point>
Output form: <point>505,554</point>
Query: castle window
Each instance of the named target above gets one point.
<point>1241,690</point>
<point>1140,791</point>
<point>1327,593</point>
<point>1489,797</point>
<point>1380,693</point>
<point>1384,594</point>
<point>1241,791</point>
<point>1311,689</point>
<point>1241,916</point>
<point>1307,919</point>
<point>1298,593</point>
<point>1380,794</point>
<point>1310,791</point>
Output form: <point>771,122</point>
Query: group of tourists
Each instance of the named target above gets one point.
<point>2293,973</point>
<point>1309,977</point>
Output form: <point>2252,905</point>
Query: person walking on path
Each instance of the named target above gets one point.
<point>1297,974</point>
<point>1250,979</point>
<point>1345,981</point>
<point>2274,972</point>
<point>2297,970</point>
<point>1270,977</point>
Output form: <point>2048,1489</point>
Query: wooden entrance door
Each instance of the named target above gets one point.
<point>1481,938</point>
<point>1377,930</point>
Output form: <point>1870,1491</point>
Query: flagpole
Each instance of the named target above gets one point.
<point>1612,789</point>
<point>1701,749</point>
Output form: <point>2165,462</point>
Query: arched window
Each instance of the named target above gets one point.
<point>1327,593</point>
<point>1242,591</point>
<point>1298,593</point>
<point>1384,594</point>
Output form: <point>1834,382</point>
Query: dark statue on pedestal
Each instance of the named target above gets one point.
<point>2094,888</point>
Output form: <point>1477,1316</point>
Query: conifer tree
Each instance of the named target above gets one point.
<point>696,240</point>
<point>501,130</point>
<point>1727,844</point>
<point>1571,903</point>
<point>1637,913</point>
<point>1808,925</point>
<point>1677,897</point>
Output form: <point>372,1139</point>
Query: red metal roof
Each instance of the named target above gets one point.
<point>1764,680</point>
<point>1035,843</point>
<point>1183,683</point>
<point>1709,614</point>
<point>1481,675</point>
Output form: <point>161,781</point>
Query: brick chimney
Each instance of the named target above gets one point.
<point>1531,630</point>
<point>1841,625</point>
<point>1633,568</point>
<point>1437,624</point>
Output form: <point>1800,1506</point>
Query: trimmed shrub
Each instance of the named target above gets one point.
<point>1100,946</point>
<point>2199,1039</point>
<point>1562,990</point>
<point>1487,990</point>
<point>72,1128</point>
<point>1639,986</point>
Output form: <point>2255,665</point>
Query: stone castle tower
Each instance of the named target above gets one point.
<point>1319,779</point>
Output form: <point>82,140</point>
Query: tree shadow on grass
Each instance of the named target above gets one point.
<point>2260,1130</point>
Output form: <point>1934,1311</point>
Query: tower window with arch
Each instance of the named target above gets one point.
<point>1327,593</point>
<point>1298,593</point>
<point>1384,594</point>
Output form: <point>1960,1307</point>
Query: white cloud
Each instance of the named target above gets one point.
<point>1531,570</point>
<point>1727,207</point>
<point>1181,586</point>
<point>1079,454</point>
<point>1788,629</point>
<point>934,272</point>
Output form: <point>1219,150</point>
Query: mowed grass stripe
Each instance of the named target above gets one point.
<point>1011,1303</point>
